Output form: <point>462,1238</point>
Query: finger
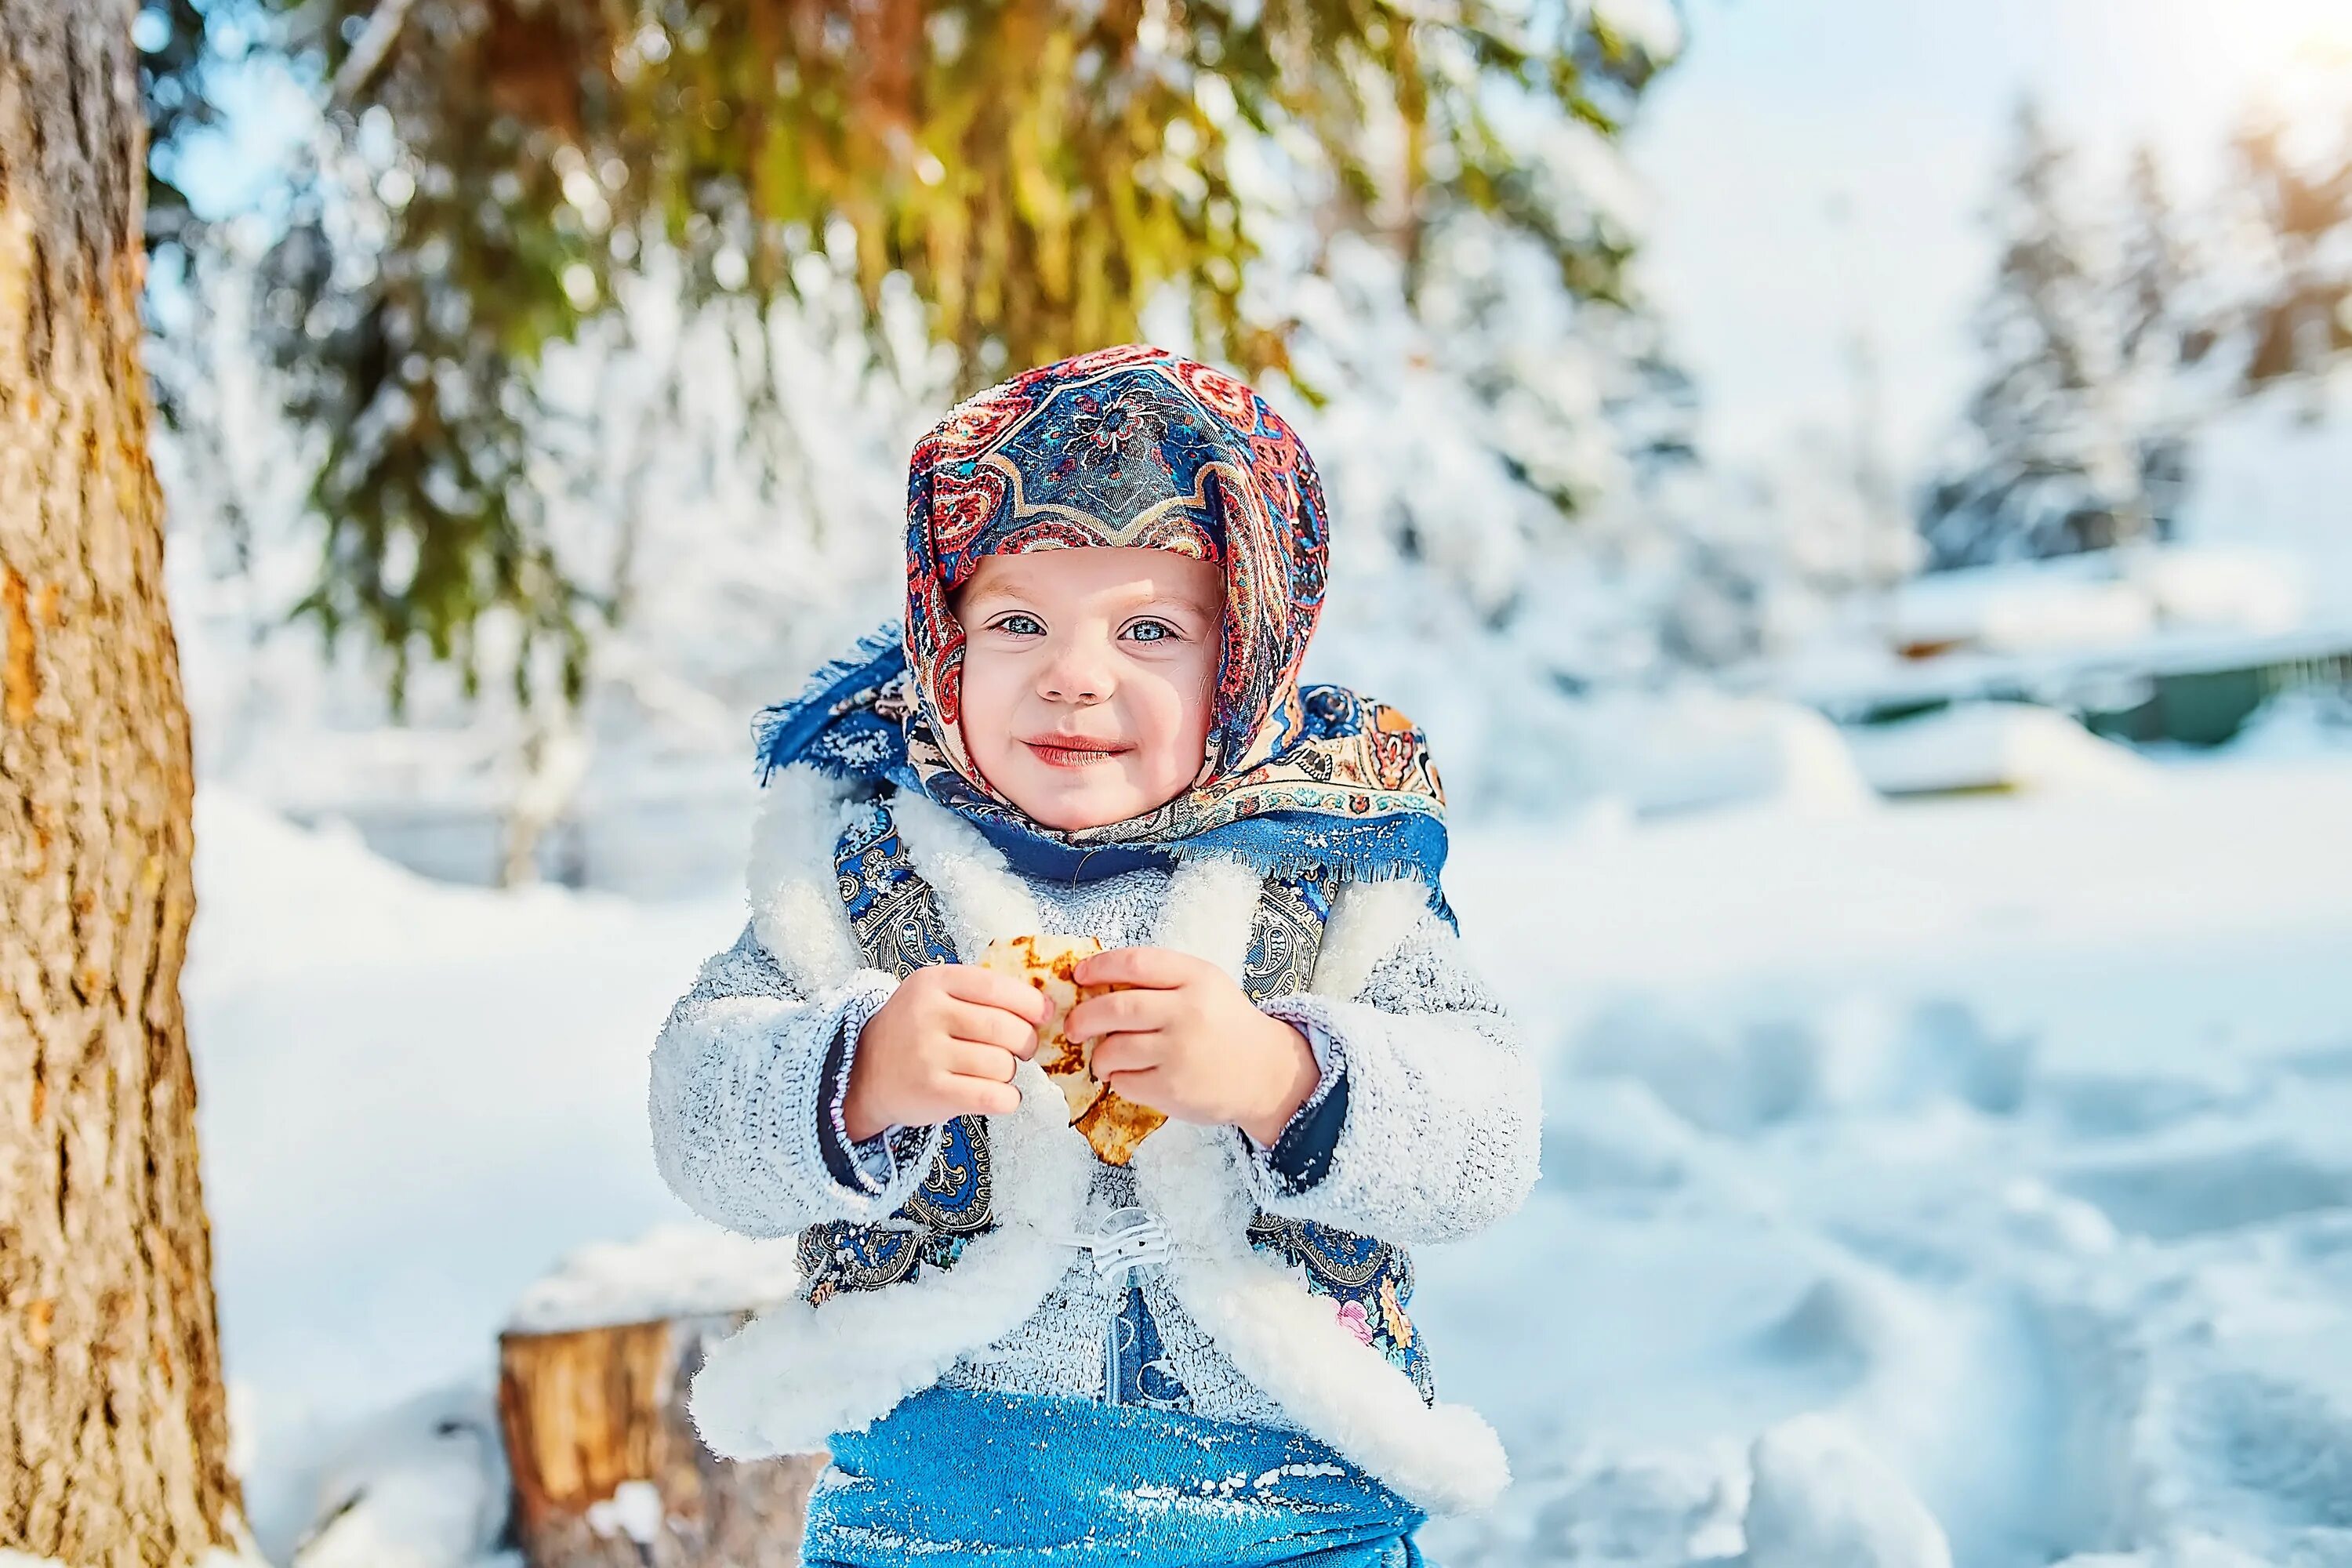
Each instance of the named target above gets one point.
<point>966,1095</point>
<point>1125,1053</point>
<point>1145,1086</point>
<point>970,983</point>
<point>963,1059</point>
<point>1153,967</point>
<point>1107,1015</point>
<point>989,1026</point>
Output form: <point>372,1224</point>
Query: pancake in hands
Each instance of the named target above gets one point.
<point>1113,1126</point>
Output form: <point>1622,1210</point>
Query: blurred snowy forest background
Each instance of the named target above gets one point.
<point>1859,503</point>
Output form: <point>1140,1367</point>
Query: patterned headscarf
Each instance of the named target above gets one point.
<point>1135,446</point>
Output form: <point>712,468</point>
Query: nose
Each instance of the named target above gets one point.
<point>1079,670</point>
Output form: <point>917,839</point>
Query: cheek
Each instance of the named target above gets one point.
<point>988,693</point>
<point>1200,703</point>
<point>1177,709</point>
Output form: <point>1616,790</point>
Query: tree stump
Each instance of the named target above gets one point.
<point>607,1468</point>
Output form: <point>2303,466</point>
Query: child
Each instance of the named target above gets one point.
<point>1092,724</point>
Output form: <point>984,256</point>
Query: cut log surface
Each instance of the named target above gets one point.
<point>607,1467</point>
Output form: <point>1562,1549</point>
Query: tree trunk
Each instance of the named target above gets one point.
<point>608,1472</point>
<point>113,1427</point>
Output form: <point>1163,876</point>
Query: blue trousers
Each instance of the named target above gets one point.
<point>952,1477</point>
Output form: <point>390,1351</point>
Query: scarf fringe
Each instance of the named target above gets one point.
<point>1365,851</point>
<point>781,732</point>
<point>1407,846</point>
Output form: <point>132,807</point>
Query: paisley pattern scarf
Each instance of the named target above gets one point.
<point>1134,446</point>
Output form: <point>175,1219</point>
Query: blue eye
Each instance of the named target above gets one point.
<point>1159,631</point>
<point>1019,625</point>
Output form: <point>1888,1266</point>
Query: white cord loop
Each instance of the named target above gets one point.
<point>1129,1238</point>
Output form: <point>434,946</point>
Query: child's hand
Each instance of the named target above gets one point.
<point>945,1045</point>
<point>1180,1037</point>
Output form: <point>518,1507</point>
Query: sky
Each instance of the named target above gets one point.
<point>1820,168</point>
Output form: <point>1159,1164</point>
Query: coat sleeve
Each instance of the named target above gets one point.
<point>1438,1136</point>
<point>740,1098</point>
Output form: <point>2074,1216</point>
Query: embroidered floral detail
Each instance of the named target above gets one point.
<point>1361,1272</point>
<point>1109,425</point>
<point>1352,1318</point>
<point>1392,1318</point>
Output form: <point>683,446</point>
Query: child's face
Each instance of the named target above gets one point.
<point>1087,679</point>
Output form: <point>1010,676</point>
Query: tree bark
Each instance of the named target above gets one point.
<point>113,1427</point>
<point>608,1472</point>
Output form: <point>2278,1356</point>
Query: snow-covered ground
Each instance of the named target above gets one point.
<point>2013,1133</point>
<point>1972,1171</point>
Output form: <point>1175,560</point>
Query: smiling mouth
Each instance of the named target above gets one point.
<point>1072,752</point>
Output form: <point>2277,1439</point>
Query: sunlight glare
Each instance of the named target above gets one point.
<point>2300,32</point>
<point>2300,50</point>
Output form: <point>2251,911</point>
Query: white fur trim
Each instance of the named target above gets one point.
<point>791,881</point>
<point>1209,909</point>
<point>979,896</point>
<point>797,1374</point>
<point>1368,921</point>
<point>1290,1342</point>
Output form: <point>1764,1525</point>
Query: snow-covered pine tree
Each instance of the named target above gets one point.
<point>1498,454</point>
<point>2162,334</point>
<point>487,172</point>
<point>2052,464</point>
<point>728,513</point>
<point>732,526</point>
<point>1486,414</point>
<point>2294,183</point>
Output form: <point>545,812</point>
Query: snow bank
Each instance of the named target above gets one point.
<point>1694,749</point>
<point>1654,753</point>
<point>2295,725</point>
<point>1822,1500</point>
<point>2010,609</point>
<point>2221,587</point>
<point>1992,745</point>
<point>279,900</point>
<point>423,1485</point>
<point>2001,1135</point>
<point>1510,746</point>
<point>2100,599</point>
<point>413,1099</point>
